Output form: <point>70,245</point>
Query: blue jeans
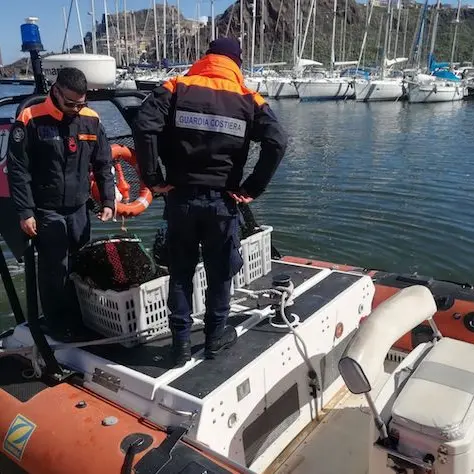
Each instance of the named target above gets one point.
<point>210,218</point>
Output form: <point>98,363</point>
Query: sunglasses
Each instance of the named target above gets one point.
<point>71,104</point>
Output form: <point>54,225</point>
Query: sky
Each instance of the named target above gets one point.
<point>51,20</point>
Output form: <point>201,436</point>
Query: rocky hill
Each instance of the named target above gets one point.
<point>279,32</point>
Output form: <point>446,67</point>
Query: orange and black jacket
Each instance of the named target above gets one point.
<point>201,126</point>
<point>49,159</point>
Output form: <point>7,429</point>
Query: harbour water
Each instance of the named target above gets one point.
<point>381,185</point>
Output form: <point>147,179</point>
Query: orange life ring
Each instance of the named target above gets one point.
<point>124,207</point>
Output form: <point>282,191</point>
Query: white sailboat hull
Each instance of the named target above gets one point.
<point>378,90</point>
<point>433,92</point>
<point>257,85</point>
<point>281,89</point>
<point>325,89</point>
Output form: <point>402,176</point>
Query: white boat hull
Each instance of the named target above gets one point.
<point>281,89</point>
<point>378,90</point>
<point>257,86</point>
<point>325,89</point>
<point>433,92</point>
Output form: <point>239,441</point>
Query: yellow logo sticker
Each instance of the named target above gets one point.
<point>17,436</point>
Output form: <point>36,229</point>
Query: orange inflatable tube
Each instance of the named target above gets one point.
<point>145,196</point>
<point>62,430</point>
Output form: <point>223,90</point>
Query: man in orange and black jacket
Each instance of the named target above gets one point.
<point>201,126</point>
<point>51,147</point>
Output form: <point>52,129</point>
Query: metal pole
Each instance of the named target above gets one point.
<point>314,32</point>
<point>179,33</point>
<point>118,39</point>
<point>213,25</point>
<point>172,36</point>
<point>66,37</point>
<point>262,28</point>
<point>157,46</point>
<point>164,29</point>
<point>242,27</point>
<point>94,35</point>
<point>107,27</point>
<point>66,29</point>
<point>127,59</point>
<point>80,28</point>
<point>252,59</point>
<point>198,51</point>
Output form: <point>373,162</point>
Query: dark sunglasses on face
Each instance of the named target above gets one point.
<point>71,103</point>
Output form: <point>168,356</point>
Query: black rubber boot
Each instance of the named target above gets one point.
<point>214,346</point>
<point>181,352</point>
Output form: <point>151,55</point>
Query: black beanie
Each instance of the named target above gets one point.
<point>226,47</point>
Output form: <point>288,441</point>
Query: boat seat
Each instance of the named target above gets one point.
<point>438,398</point>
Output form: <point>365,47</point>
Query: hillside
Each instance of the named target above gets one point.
<point>279,33</point>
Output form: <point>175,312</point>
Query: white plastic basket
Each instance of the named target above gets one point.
<point>117,313</point>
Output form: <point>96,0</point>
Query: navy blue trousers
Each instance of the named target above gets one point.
<point>60,234</point>
<point>210,218</point>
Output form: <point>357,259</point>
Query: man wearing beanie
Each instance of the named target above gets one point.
<point>200,126</point>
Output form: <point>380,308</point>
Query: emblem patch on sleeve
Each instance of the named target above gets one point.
<point>18,134</point>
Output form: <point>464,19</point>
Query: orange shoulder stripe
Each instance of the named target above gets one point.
<point>25,116</point>
<point>89,112</point>
<point>214,83</point>
<point>170,85</point>
<point>37,110</point>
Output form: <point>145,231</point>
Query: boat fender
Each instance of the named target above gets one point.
<point>469,321</point>
<point>124,207</point>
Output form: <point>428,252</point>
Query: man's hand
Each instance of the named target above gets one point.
<point>240,196</point>
<point>28,226</point>
<point>162,189</point>
<point>106,214</point>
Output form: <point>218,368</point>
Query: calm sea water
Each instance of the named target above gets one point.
<point>383,185</point>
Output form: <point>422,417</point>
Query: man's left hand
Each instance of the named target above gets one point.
<point>106,214</point>
<point>240,196</point>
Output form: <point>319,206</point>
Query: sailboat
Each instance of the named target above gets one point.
<point>388,86</point>
<point>332,85</point>
<point>442,84</point>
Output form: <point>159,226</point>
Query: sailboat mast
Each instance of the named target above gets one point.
<point>94,35</point>
<point>314,31</point>
<point>435,30</point>
<point>395,52</point>
<point>127,59</point>
<point>118,39</point>
<point>241,19</point>
<point>80,28</point>
<point>164,29</point>
<point>254,13</point>
<point>213,24</point>
<point>155,25</point>
<point>385,46</point>
<point>107,27</point>
<point>455,38</point>
<point>66,30</point>
<point>178,25</point>
<point>333,39</point>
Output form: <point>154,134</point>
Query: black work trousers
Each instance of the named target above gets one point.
<point>208,217</point>
<point>61,233</point>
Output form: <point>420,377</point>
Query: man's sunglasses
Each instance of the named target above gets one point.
<point>71,103</point>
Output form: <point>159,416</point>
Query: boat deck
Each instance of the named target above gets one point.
<point>153,359</point>
<point>342,431</point>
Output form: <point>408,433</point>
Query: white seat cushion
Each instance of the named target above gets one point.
<point>438,398</point>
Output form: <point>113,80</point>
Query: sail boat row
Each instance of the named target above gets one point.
<point>439,83</point>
